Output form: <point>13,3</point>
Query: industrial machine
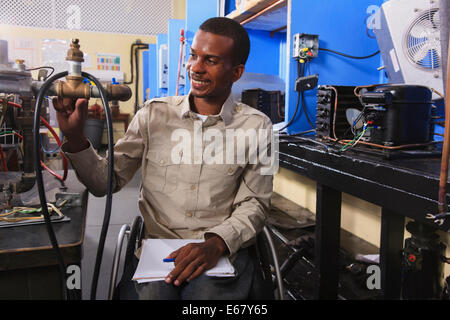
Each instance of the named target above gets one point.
<point>383,119</point>
<point>24,108</point>
<point>271,103</point>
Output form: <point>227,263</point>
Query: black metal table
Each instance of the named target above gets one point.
<point>28,264</point>
<point>401,187</point>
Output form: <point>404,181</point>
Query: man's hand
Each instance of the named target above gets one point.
<point>72,118</point>
<point>195,258</point>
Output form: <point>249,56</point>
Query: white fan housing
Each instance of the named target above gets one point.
<point>409,41</point>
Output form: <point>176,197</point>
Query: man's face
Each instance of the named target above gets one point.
<point>210,66</point>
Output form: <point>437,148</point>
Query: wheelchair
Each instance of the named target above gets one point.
<point>268,282</point>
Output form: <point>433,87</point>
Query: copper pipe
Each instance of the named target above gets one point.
<point>442,202</point>
<point>403,146</point>
<point>262,12</point>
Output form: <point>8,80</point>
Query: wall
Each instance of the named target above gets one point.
<point>91,43</point>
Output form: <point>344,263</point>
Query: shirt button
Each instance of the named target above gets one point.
<point>193,187</point>
<point>238,108</point>
<point>230,170</point>
<point>189,214</point>
<point>161,161</point>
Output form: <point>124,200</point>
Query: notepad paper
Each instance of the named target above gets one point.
<point>152,268</point>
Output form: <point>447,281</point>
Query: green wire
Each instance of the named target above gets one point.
<point>344,148</point>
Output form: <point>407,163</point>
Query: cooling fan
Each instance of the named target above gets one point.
<point>409,39</point>
<point>422,43</point>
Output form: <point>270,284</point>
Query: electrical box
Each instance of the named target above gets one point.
<point>305,46</point>
<point>163,72</point>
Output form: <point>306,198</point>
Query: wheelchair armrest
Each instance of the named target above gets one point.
<point>124,230</point>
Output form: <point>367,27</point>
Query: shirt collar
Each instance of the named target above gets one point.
<point>226,113</point>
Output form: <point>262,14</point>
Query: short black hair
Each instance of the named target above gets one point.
<point>229,28</point>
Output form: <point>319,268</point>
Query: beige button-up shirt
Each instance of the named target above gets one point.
<point>197,176</point>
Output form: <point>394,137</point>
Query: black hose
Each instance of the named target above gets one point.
<point>349,56</point>
<point>40,184</point>
<point>39,179</point>
<point>109,194</point>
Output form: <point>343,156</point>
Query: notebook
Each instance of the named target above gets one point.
<point>152,268</point>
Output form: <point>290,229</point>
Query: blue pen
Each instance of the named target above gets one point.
<point>169,260</point>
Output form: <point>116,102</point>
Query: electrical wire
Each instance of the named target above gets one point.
<point>52,131</point>
<point>43,67</point>
<point>300,73</point>
<point>350,56</point>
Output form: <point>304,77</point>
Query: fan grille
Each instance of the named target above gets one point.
<point>422,41</point>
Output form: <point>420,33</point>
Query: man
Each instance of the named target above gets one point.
<point>189,197</point>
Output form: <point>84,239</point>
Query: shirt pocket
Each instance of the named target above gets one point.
<point>222,174</point>
<point>162,172</point>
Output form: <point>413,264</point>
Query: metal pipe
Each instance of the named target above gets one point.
<point>442,202</point>
<point>117,252</point>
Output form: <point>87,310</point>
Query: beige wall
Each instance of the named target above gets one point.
<point>359,217</point>
<point>93,43</point>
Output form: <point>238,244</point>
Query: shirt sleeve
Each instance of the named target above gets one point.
<point>251,205</point>
<point>92,169</point>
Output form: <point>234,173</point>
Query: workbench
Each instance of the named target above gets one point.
<point>28,264</point>
<point>401,187</point>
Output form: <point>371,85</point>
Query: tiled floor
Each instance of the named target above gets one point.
<point>124,210</point>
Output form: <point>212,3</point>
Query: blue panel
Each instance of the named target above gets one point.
<point>341,26</point>
<point>150,72</point>
<point>160,40</point>
<point>264,52</point>
<point>197,11</point>
<point>175,26</point>
<point>230,5</point>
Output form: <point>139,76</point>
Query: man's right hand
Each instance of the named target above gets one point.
<point>72,118</point>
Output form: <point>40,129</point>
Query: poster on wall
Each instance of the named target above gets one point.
<point>108,62</point>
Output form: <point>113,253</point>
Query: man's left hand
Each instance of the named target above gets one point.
<point>193,259</point>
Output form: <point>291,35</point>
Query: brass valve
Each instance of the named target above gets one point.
<point>74,87</point>
<point>74,53</point>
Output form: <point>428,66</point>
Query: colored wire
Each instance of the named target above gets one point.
<point>356,140</point>
<point>47,151</point>
<point>49,127</point>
